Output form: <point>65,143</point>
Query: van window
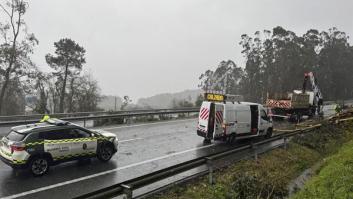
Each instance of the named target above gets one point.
<point>263,115</point>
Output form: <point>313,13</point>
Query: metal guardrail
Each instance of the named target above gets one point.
<point>119,115</point>
<point>128,186</point>
<point>81,114</point>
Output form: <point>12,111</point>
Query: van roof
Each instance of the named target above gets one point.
<point>240,103</point>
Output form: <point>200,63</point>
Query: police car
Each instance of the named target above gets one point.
<point>40,145</point>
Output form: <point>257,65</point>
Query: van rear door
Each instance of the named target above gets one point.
<point>204,117</point>
<point>219,110</point>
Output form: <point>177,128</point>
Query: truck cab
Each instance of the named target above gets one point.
<point>228,120</point>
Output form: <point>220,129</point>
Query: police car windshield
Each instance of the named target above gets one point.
<point>14,136</point>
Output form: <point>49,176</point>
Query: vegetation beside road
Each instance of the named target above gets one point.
<point>270,175</point>
<point>335,180</point>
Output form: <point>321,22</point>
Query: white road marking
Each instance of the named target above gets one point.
<point>153,123</point>
<point>129,140</point>
<point>102,173</point>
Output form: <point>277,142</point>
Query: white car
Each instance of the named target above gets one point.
<point>38,146</point>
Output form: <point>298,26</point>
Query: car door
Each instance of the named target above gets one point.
<point>264,121</point>
<point>85,143</point>
<point>56,142</point>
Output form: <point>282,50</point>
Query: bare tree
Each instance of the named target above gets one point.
<point>14,50</point>
<point>87,96</point>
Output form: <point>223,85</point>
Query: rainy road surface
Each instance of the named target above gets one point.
<point>143,148</point>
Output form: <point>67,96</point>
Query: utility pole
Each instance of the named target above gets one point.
<point>115,103</point>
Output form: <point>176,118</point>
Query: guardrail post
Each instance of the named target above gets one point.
<point>285,142</point>
<point>210,170</point>
<point>254,147</point>
<point>84,122</point>
<point>127,190</point>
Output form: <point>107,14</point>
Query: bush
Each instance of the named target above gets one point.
<point>326,139</point>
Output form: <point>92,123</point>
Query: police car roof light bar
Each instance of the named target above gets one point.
<point>57,122</point>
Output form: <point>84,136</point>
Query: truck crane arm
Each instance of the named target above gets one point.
<point>318,98</point>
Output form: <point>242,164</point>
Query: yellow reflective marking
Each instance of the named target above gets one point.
<point>73,155</point>
<point>214,97</point>
<point>65,141</point>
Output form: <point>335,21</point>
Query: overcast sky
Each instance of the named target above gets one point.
<point>144,47</point>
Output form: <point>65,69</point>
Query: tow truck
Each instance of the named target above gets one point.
<point>298,103</point>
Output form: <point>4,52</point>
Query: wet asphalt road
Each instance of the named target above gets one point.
<point>143,148</point>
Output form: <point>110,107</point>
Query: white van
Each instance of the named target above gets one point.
<point>233,120</point>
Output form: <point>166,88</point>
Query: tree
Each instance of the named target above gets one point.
<point>335,67</point>
<point>126,102</point>
<point>276,62</point>
<point>199,100</point>
<point>42,92</point>
<point>252,77</point>
<point>226,78</point>
<point>69,58</point>
<point>72,89</point>
<point>14,48</point>
<point>87,94</point>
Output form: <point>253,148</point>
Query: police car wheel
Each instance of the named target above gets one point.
<point>105,153</point>
<point>39,166</point>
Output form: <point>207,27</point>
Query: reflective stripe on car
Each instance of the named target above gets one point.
<point>74,155</point>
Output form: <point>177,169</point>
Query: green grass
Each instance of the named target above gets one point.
<point>335,180</point>
<point>266,178</point>
<point>270,175</point>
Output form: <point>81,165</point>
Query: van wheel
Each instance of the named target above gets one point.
<point>39,166</point>
<point>105,153</point>
<point>207,141</point>
<point>231,138</point>
<point>268,133</point>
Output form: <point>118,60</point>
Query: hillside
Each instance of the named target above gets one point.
<point>165,100</point>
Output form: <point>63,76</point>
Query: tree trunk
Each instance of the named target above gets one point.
<point>15,31</point>
<point>62,96</point>
<point>7,75</point>
<point>71,95</point>
<point>3,90</point>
